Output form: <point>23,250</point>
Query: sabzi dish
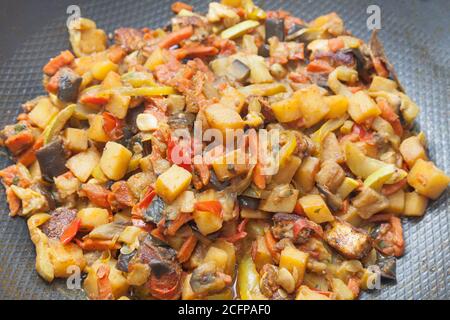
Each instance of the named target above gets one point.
<point>97,183</point>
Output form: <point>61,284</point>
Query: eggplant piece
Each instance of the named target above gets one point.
<point>44,190</point>
<point>332,200</point>
<point>264,51</point>
<point>154,212</point>
<point>123,261</point>
<point>239,70</point>
<point>131,118</point>
<point>377,51</point>
<point>60,219</point>
<point>68,85</point>
<point>206,279</point>
<point>181,120</point>
<point>247,202</point>
<point>274,28</point>
<point>388,267</point>
<point>52,160</point>
<point>349,241</point>
<point>214,181</point>
<point>284,225</point>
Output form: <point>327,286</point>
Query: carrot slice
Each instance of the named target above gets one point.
<point>319,66</point>
<point>270,243</point>
<point>178,6</point>
<point>195,52</point>
<point>29,156</point>
<point>187,248</point>
<point>13,202</point>
<point>19,142</point>
<point>258,178</point>
<point>61,60</point>
<point>176,37</point>
<point>180,220</point>
<point>213,206</point>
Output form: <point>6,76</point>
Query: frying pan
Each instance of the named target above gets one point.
<point>415,35</point>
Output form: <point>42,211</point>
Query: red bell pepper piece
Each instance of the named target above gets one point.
<point>71,231</point>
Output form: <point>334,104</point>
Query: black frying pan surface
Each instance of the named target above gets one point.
<point>416,37</point>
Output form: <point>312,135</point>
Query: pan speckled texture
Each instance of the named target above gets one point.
<point>415,34</point>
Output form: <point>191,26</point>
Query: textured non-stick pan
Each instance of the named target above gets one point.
<point>416,37</point>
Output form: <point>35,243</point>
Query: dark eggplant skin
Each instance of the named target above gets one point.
<point>154,212</point>
<point>124,260</point>
<point>214,181</point>
<point>264,51</point>
<point>131,118</point>
<point>68,85</point>
<point>239,70</point>
<point>52,160</point>
<point>247,202</point>
<point>274,28</point>
<point>388,267</point>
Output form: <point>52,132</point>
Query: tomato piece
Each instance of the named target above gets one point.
<point>112,126</point>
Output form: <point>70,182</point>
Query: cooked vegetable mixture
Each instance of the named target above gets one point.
<point>98,182</point>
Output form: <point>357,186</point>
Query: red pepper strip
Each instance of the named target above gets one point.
<point>180,220</point>
<point>176,37</point>
<point>144,203</point>
<point>213,206</point>
<point>103,284</point>
<point>389,189</point>
<point>195,52</point>
<point>298,209</point>
<point>28,157</point>
<point>270,243</point>
<point>179,154</point>
<point>112,126</point>
<point>63,59</point>
<point>71,231</point>
<point>240,234</point>
<point>187,248</point>
<point>304,223</point>
<point>389,115</point>
<point>97,194</point>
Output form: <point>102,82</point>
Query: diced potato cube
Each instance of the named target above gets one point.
<point>287,171</point>
<point>42,113</point>
<point>102,68</point>
<point>112,80</point>
<point>316,209</point>
<point>230,165</point>
<point>396,202</point>
<point>130,234</point>
<point>291,258</point>
<point>118,282</point>
<point>313,106</point>
<point>274,203</point>
<point>218,256</point>
<point>207,222</point>
<point>83,163</point>
<point>64,256</point>
<point>115,160</point>
<point>347,187</point>
<point>93,217</point>
<point>118,105</point>
<point>412,150</point>
<point>427,179</point>
<point>362,107</point>
<point>230,250</point>
<point>76,139</point>
<point>341,290</point>
<point>352,216</point>
<point>305,293</point>
<point>415,204</point>
<point>338,105</point>
<point>287,110</point>
<point>173,182</point>
<point>306,174</point>
<point>155,59</point>
<point>262,254</point>
<point>98,174</point>
<point>96,131</point>
<point>223,118</point>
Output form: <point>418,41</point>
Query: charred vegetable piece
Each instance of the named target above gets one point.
<point>388,267</point>
<point>350,242</point>
<point>239,70</point>
<point>52,160</point>
<point>60,219</point>
<point>275,28</point>
<point>68,85</point>
<point>124,260</point>
<point>291,226</point>
<point>247,202</point>
<point>155,210</point>
<point>264,51</point>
